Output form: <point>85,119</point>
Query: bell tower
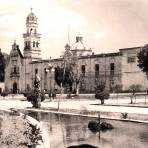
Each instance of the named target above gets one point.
<point>32,38</point>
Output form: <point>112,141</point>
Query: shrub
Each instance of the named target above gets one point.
<point>94,126</point>
<point>106,126</point>
<point>101,93</point>
<point>4,93</point>
<point>124,115</point>
<point>135,88</point>
<point>31,96</point>
<point>42,96</point>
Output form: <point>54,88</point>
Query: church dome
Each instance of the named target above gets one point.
<point>79,45</point>
<point>31,17</point>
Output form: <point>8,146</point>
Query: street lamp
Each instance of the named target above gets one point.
<point>50,69</point>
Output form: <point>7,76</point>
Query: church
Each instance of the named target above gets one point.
<point>118,68</point>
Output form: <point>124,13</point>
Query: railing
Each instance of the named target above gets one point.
<point>31,34</point>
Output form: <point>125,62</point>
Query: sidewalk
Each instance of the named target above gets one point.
<point>85,106</point>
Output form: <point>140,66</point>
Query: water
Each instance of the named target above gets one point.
<point>66,130</point>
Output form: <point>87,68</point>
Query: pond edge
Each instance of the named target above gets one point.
<point>34,122</point>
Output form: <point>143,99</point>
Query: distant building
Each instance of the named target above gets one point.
<point>112,68</point>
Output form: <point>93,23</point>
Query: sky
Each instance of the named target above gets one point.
<point>106,25</point>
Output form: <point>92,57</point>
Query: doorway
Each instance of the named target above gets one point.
<point>14,88</point>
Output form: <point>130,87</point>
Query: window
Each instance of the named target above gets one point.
<point>15,71</point>
<point>96,70</point>
<point>36,71</point>
<point>37,44</point>
<point>131,59</point>
<point>83,70</point>
<point>26,44</point>
<point>112,68</point>
<point>112,82</point>
<point>34,44</point>
<point>31,30</point>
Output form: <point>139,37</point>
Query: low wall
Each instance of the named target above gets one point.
<point>42,144</point>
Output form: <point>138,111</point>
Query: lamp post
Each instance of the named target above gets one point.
<point>50,69</point>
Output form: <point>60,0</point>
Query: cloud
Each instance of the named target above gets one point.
<point>106,24</point>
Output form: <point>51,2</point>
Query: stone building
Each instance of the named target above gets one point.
<point>111,68</point>
<point>131,73</point>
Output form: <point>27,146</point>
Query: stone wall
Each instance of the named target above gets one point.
<point>131,73</point>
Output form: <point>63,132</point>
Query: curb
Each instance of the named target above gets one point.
<point>92,116</point>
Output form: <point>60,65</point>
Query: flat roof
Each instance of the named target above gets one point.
<point>131,48</point>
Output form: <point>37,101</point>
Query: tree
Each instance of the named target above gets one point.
<point>71,60</point>
<point>64,76</point>
<point>2,66</point>
<point>134,88</point>
<point>101,92</point>
<point>117,89</point>
<point>143,59</point>
<point>35,96</point>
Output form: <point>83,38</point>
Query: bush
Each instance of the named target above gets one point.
<point>135,88</point>
<point>42,96</point>
<point>106,126</point>
<point>31,96</point>
<point>4,93</point>
<point>124,115</point>
<point>101,93</point>
<point>94,126</point>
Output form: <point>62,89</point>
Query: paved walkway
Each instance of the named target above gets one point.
<point>122,105</point>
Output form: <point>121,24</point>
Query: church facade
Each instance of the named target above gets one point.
<point>119,68</point>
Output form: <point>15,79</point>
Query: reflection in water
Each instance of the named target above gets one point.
<point>66,130</point>
<point>36,115</point>
<point>1,120</point>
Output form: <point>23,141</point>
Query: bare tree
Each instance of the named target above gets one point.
<point>134,89</point>
<point>117,89</point>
